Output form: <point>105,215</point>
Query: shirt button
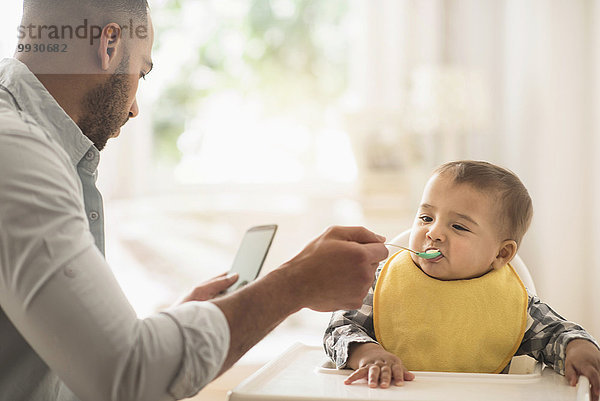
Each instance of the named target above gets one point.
<point>94,216</point>
<point>90,155</point>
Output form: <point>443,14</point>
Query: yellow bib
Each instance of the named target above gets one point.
<point>473,325</point>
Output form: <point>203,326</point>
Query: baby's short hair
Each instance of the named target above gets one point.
<point>515,203</point>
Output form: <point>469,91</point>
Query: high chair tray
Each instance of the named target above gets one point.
<point>300,374</point>
<point>328,367</point>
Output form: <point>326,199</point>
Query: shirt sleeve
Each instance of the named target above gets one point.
<point>349,327</point>
<point>59,292</point>
<point>548,334</point>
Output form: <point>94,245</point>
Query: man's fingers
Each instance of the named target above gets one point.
<point>357,234</point>
<point>215,286</point>
<point>232,277</point>
<point>222,282</point>
<point>358,374</point>
<point>376,252</point>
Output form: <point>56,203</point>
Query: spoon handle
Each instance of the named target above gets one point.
<point>406,249</point>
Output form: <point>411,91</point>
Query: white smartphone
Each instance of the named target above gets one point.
<point>251,254</point>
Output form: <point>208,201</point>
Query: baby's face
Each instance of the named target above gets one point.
<point>462,223</point>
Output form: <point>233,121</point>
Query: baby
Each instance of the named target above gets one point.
<point>465,310</point>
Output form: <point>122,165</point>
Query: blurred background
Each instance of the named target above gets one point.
<point>309,113</point>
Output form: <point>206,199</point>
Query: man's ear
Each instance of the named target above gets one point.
<point>508,250</point>
<point>110,42</point>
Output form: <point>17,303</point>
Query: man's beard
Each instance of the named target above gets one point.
<point>105,108</point>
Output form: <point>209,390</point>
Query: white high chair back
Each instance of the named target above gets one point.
<point>517,262</point>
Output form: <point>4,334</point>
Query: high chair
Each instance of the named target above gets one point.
<point>304,373</point>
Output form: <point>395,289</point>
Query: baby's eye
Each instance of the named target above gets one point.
<point>425,219</point>
<point>459,227</point>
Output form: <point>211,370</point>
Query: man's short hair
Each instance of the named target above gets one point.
<point>516,207</point>
<point>135,8</point>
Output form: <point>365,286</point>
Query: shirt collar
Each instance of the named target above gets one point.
<point>33,99</point>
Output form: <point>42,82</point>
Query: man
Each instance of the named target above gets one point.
<point>66,330</point>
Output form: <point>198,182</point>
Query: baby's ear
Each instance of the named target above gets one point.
<point>507,251</point>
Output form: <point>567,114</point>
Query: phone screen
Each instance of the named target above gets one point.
<point>251,254</point>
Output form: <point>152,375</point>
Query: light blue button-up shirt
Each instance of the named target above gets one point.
<point>88,174</point>
<point>67,332</point>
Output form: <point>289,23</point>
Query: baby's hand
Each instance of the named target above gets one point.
<point>377,365</point>
<point>583,358</point>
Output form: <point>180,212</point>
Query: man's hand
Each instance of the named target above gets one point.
<point>211,288</point>
<point>378,366</point>
<point>583,358</point>
<point>336,270</point>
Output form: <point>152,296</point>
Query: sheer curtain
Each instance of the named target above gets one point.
<point>537,112</point>
<point>595,277</point>
<point>550,116</point>
<point>9,21</point>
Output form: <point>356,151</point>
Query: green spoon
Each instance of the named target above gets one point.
<point>430,254</point>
